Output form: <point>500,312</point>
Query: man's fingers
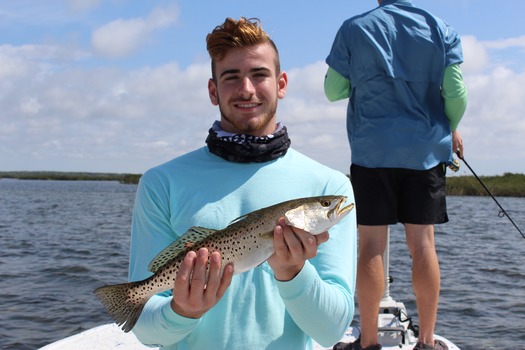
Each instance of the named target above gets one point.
<point>225,280</point>
<point>296,242</point>
<point>321,238</point>
<point>183,279</point>
<point>279,242</point>
<point>214,275</point>
<point>198,278</point>
<point>293,241</point>
<point>199,284</point>
<point>217,283</point>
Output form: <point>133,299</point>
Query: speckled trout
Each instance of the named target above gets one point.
<point>246,242</point>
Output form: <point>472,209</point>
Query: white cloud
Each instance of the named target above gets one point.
<point>10,66</point>
<point>506,43</point>
<point>122,37</point>
<point>105,117</point>
<point>30,106</point>
<point>481,55</point>
<point>58,116</point>
<point>33,62</point>
<point>494,119</point>
<point>83,5</point>
<point>475,55</point>
<point>317,126</point>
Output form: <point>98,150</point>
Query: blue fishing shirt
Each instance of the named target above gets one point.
<point>257,311</point>
<point>395,56</point>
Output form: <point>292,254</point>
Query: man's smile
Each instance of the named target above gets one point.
<point>247,105</point>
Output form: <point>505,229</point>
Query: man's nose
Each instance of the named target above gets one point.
<point>247,88</point>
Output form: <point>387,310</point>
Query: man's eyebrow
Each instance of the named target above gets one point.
<point>230,71</point>
<point>237,71</point>
<point>258,69</point>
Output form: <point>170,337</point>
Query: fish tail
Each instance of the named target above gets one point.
<point>124,310</point>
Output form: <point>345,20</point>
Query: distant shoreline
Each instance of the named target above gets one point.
<point>70,176</point>
<point>506,185</point>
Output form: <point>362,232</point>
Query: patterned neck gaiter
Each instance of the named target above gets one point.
<point>243,148</point>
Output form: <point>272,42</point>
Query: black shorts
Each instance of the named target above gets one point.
<point>386,196</point>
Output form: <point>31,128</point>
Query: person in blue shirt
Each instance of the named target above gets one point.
<point>304,293</point>
<point>399,67</point>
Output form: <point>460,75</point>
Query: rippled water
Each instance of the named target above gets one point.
<point>482,259</point>
<point>59,240</point>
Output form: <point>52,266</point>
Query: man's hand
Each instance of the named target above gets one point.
<point>457,143</point>
<point>193,296</point>
<point>292,248</point>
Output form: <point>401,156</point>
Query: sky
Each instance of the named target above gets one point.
<point>121,85</point>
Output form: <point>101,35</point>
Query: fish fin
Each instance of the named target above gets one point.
<point>124,311</point>
<point>240,218</point>
<point>250,216</point>
<point>183,243</point>
<point>200,231</point>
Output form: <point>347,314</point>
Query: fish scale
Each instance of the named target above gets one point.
<point>247,242</point>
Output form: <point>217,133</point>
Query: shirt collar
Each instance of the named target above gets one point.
<point>400,2</point>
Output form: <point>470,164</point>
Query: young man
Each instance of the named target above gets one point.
<point>305,290</point>
<point>399,66</point>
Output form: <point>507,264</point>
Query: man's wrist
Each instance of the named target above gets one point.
<point>287,274</point>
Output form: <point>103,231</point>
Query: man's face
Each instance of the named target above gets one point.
<point>247,89</point>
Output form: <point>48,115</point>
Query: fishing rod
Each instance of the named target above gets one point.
<point>502,211</point>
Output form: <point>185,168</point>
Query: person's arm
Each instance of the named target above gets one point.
<point>457,143</point>
<point>320,299</point>
<point>454,94</point>
<point>151,232</point>
<point>336,87</point>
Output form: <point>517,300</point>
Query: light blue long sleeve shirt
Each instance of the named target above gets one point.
<point>395,58</point>
<point>257,311</point>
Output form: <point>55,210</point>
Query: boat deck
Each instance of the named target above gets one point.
<point>111,337</point>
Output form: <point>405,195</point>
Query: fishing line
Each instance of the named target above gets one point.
<point>502,211</point>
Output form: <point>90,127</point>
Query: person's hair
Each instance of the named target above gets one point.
<point>237,34</point>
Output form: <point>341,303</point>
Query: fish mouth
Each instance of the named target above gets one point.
<point>339,210</point>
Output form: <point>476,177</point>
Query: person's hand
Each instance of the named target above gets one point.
<point>292,248</point>
<point>457,143</point>
<point>193,296</point>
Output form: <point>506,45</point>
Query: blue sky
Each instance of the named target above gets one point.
<point>120,85</point>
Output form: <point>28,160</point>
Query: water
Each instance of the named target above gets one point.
<point>61,239</point>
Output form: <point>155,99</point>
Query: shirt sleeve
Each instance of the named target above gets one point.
<point>336,87</point>
<point>454,94</point>
<point>158,324</point>
<point>340,55</point>
<point>453,48</point>
<point>320,299</point>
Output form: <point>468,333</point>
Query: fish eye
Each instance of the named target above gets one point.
<point>325,203</point>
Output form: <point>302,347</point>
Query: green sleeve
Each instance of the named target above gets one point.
<point>336,87</point>
<point>454,93</point>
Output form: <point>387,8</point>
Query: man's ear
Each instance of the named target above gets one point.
<point>212,92</point>
<point>282,83</point>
